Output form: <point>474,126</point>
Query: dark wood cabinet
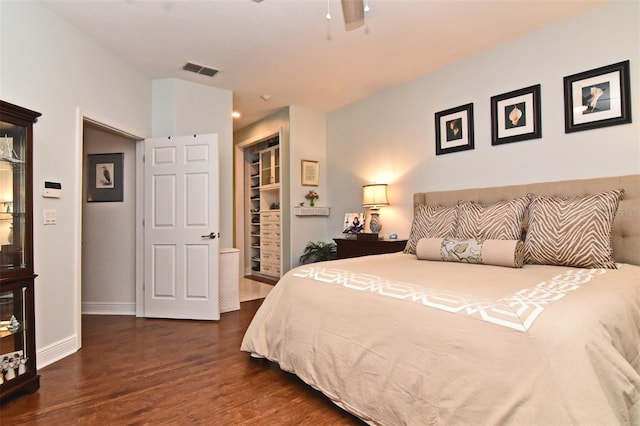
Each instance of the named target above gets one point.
<point>351,247</point>
<point>17,317</point>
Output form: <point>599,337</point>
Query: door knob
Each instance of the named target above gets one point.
<point>211,235</point>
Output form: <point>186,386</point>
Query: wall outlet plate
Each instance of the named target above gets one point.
<point>50,217</point>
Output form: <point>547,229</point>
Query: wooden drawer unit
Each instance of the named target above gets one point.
<point>270,216</point>
<point>270,243</point>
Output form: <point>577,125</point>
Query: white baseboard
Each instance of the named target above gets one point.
<point>56,351</point>
<point>103,308</point>
<point>65,347</point>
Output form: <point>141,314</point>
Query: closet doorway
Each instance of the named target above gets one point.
<point>258,217</point>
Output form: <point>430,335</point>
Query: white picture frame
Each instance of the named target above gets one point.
<point>354,223</point>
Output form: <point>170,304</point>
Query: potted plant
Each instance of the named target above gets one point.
<point>318,251</point>
<point>312,196</point>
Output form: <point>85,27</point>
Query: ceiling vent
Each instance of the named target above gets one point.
<point>199,69</point>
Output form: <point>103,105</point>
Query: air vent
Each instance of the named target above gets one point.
<point>199,69</point>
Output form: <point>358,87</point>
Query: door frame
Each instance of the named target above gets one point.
<point>83,115</point>
<point>239,192</point>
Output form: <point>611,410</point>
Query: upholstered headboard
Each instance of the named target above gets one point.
<point>626,227</point>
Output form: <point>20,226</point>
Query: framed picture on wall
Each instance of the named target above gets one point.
<point>597,98</point>
<point>104,177</point>
<point>515,116</point>
<point>310,173</point>
<point>454,129</point>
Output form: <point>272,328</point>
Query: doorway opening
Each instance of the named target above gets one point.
<point>108,245</point>
<point>258,218</point>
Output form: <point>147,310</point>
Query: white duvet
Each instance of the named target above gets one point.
<point>396,340</point>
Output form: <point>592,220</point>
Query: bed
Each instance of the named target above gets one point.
<point>521,338</point>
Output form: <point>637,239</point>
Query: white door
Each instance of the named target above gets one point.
<point>181,227</point>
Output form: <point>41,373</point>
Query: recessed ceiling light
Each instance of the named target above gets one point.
<point>265,97</point>
<point>235,114</point>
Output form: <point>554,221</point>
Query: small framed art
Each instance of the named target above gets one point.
<point>353,223</point>
<point>454,129</point>
<point>515,116</point>
<point>310,173</point>
<point>597,98</point>
<point>104,177</point>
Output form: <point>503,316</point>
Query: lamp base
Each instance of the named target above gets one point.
<point>375,225</point>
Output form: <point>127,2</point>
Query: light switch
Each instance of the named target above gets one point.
<point>50,217</point>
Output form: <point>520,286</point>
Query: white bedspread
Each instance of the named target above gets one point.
<point>396,340</point>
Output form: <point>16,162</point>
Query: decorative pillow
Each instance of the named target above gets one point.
<point>474,250</point>
<point>572,231</point>
<point>431,222</point>
<point>498,221</point>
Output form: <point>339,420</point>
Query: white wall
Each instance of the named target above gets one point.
<point>181,108</point>
<point>390,137</point>
<point>49,66</point>
<point>308,142</point>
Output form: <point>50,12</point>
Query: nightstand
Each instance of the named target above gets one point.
<point>351,247</point>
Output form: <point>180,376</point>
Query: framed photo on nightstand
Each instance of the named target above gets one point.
<point>353,223</point>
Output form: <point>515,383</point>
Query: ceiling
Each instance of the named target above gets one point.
<point>288,50</point>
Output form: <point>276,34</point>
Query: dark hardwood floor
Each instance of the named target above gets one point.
<point>139,371</point>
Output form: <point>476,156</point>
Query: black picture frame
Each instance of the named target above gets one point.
<point>516,116</point>
<point>454,129</point>
<point>104,177</point>
<point>597,98</point>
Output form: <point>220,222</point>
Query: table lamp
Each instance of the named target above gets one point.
<point>375,196</point>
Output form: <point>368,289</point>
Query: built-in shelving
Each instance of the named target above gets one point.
<point>262,229</point>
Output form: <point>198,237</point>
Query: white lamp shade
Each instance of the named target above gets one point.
<point>374,195</point>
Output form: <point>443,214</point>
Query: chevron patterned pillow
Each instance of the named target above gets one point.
<point>498,221</point>
<point>572,231</point>
<point>431,222</point>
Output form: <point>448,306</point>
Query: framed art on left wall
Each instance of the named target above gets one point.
<point>104,177</point>
<point>309,173</point>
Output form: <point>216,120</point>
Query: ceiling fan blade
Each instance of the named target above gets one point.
<point>353,12</point>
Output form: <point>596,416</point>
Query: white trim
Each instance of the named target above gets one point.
<point>139,308</point>
<point>132,134</point>
<point>105,308</point>
<point>57,350</point>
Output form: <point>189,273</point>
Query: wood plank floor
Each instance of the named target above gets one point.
<point>139,371</point>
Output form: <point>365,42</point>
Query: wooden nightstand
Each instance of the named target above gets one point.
<point>351,247</point>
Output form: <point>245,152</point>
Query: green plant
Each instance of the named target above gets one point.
<point>318,251</point>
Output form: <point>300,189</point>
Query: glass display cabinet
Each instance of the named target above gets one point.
<point>17,320</point>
